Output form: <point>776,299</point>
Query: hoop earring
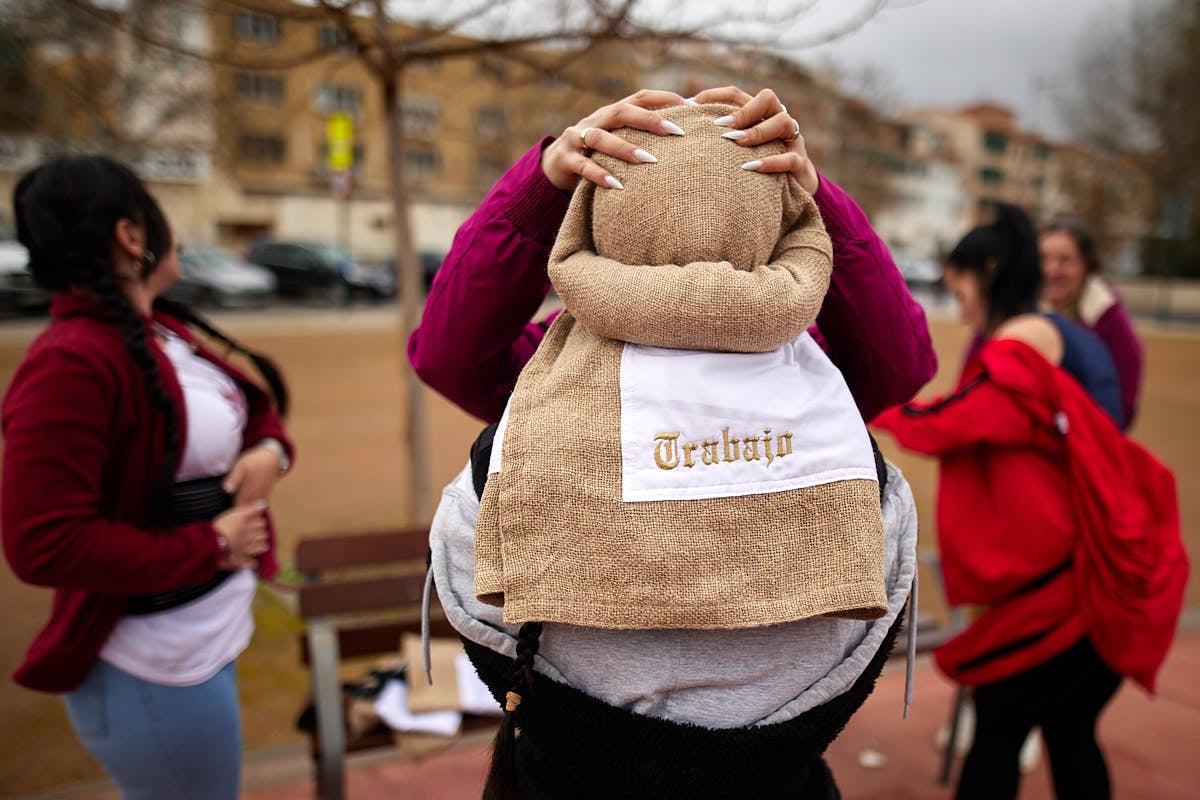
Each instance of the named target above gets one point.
<point>147,262</point>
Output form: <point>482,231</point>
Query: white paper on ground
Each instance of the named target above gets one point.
<point>392,707</point>
<point>473,694</point>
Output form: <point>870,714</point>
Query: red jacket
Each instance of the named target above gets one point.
<point>1050,518</point>
<point>83,443</point>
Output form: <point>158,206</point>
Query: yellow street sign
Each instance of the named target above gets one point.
<point>339,136</point>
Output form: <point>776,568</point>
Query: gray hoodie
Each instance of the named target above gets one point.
<point>716,679</point>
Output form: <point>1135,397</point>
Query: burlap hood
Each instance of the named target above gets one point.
<point>698,255</point>
<point>741,259</point>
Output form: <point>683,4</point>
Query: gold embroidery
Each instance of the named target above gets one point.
<point>670,452</point>
<point>728,442</point>
<point>666,455</point>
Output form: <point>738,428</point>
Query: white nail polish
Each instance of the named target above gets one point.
<point>724,121</point>
<point>644,157</point>
<point>781,105</point>
<point>671,127</point>
<point>690,101</point>
<point>613,182</point>
<point>752,166</point>
<point>737,136</point>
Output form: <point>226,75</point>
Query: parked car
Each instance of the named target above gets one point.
<point>212,276</point>
<point>429,262</point>
<point>303,267</point>
<point>919,271</point>
<point>17,292</point>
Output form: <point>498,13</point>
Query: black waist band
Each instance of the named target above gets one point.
<point>192,501</point>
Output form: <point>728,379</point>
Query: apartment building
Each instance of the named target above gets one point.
<point>997,161</point>
<point>282,76</point>
<point>71,82</point>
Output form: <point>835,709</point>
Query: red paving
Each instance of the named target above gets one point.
<point>1153,747</point>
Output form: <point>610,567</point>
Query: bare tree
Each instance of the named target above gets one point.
<point>1137,93</point>
<point>389,37</point>
<point>77,82</point>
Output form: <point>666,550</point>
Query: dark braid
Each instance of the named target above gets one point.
<point>265,366</point>
<point>66,213</point>
<point>502,776</point>
<point>136,337</point>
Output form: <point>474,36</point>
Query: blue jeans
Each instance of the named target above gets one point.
<point>162,742</point>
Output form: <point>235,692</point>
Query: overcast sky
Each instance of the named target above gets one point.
<point>954,52</point>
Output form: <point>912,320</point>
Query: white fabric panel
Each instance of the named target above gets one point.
<point>698,424</point>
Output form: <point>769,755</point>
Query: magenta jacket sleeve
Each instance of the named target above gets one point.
<point>475,335</point>
<point>873,329</point>
<point>1116,331</point>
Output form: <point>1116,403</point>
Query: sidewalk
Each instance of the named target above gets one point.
<point>1153,746</point>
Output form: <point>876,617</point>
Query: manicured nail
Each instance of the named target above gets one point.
<point>781,105</point>
<point>737,136</point>
<point>752,166</point>
<point>724,121</point>
<point>691,101</point>
<point>644,157</point>
<point>260,504</point>
<point>613,182</point>
<point>227,488</point>
<point>671,127</point>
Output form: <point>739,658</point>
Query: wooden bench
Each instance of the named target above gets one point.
<point>362,591</point>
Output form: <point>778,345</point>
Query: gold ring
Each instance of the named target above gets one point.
<point>795,133</point>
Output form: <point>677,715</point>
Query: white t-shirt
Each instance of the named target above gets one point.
<point>187,645</point>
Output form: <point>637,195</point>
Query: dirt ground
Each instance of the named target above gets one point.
<point>344,370</point>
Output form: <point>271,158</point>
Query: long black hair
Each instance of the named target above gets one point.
<point>66,211</point>
<point>1004,257</point>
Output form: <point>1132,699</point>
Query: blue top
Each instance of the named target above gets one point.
<point>1086,358</point>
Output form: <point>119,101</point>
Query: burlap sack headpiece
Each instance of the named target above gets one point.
<point>695,254</point>
<point>742,259</point>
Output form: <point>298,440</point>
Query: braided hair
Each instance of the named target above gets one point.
<point>265,366</point>
<point>66,211</point>
<point>502,776</point>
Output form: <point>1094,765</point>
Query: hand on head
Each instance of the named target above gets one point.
<point>761,118</point>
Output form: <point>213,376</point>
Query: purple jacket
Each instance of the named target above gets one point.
<point>475,335</point>
<point>1116,331</point>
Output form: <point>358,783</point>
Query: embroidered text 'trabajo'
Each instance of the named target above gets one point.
<point>670,452</point>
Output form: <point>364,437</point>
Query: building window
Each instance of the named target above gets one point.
<point>1042,152</point>
<point>331,99</point>
<point>266,149</point>
<point>991,175</point>
<point>491,122</point>
<point>420,163</point>
<point>995,142</point>
<point>259,88</point>
<point>259,27</point>
<point>1039,183</point>
<point>330,37</point>
<point>420,117</point>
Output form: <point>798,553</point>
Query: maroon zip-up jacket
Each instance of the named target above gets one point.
<point>83,442</point>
